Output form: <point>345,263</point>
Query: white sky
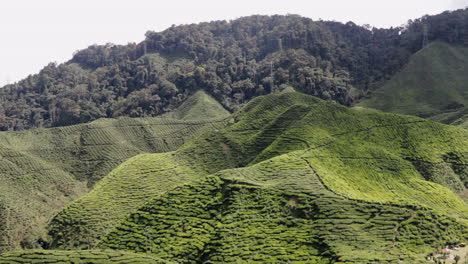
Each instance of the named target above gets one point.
<point>36,32</point>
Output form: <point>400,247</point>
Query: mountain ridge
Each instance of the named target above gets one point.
<point>232,61</point>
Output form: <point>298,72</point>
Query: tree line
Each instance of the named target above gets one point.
<point>233,61</point>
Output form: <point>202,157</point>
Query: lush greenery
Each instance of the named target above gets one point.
<point>286,178</point>
<point>233,61</point>
<point>41,170</point>
<point>200,106</point>
<point>74,257</point>
<point>124,189</point>
<point>433,84</point>
<point>291,178</point>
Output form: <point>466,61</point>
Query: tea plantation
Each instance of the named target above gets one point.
<point>75,257</point>
<point>433,85</point>
<point>42,170</point>
<point>291,179</point>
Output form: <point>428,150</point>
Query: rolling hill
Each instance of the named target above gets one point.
<point>41,170</point>
<point>434,84</point>
<point>209,155</point>
<point>88,256</point>
<point>291,179</point>
<point>200,106</point>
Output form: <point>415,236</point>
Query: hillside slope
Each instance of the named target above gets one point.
<point>293,178</point>
<point>200,106</point>
<point>42,170</point>
<point>457,117</point>
<point>233,61</point>
<point>433,84</point>
<point>84,256</point>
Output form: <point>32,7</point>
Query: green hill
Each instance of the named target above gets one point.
<point>199,106</point>
<point>85,256</point>
<point>458,117</point>
<point>41,170</point>
<point>233,61</point>
<point>293,178</point>
<point>433,84</point>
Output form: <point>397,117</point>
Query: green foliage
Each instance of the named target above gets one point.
<point>199,106</point>
<point>232,61</point>
<point>458,117</point>
<point>126,188</point>
<point>74,257</point>
<point>431,85</point>
<point>206,222</point>
<point>42,170</point>
<point>293,178</point>
<point>250,215</point>
<point>178,225</point>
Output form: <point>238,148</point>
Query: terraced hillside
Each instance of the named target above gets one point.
<point>433,84</point>
<point>42,170</point>
<point>458,117</point>
<point>85,256</point>
<point>292,178</point>
<point>200,106</point>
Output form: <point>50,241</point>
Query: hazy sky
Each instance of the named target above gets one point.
<point>36,32</point>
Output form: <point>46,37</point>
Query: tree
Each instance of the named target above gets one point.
<point>233,61</point>
<point>168,89</point>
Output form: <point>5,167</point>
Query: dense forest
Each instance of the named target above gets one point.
<point>233,61</point>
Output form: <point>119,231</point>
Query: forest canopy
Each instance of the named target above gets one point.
<point>233,61</point>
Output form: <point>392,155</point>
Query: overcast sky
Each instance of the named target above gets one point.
<point>36,32</point>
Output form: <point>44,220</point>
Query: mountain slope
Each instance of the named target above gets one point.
<point>124,189</point>
<point>200,106</point>
<point>245,215</point>
<point>42,170</point>
<point>433,84</point>
<point>335,184</point>
<point>88,256</point>
<point>233,61</point>
<point>458,117</point>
